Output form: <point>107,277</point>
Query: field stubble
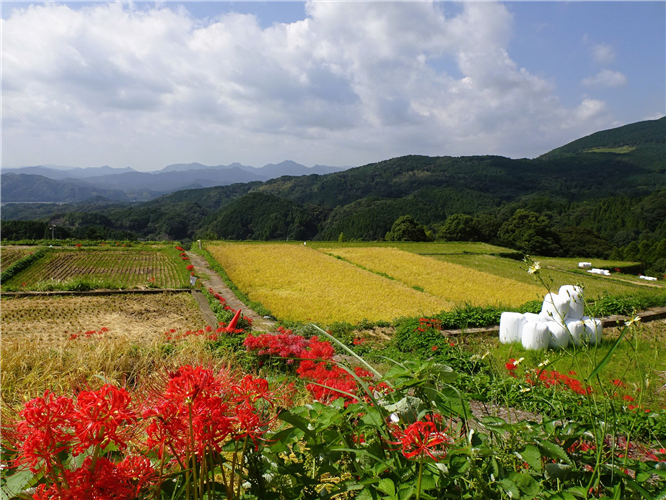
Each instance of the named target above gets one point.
<point>38,352</point>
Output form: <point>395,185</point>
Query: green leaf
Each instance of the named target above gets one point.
<point>557,471</point>
<point>551,450</point>
<point>296,421</point>
<point>608,355</point>
<point>15,484</point>
<point>510,488</point>
<point>428,482</point>
<point>406,491</point>
<point>638,488</point>
<point>387,486</point>
<point>526,483</point>
<point>532,457</point>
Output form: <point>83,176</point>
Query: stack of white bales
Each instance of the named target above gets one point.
<point>561,321</point>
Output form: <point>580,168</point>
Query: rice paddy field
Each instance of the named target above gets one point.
<point>452,282</point>
<point>52,319</point>
<point>303,284</point>
<point>110,268</point>
<point>9,256</point>
<point>554,273</point>
<point>328,281</point>
<point>44,339</point>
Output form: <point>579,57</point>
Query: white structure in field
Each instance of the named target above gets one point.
<point>560,322</point>
<point>584,265</point>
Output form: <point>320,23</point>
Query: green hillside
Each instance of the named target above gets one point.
<point>600,195</point>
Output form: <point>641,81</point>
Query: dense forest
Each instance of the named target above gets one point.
<point>600,196</point>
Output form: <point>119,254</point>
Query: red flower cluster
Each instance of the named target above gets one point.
<point>423,439</point>
<point>52,425</point>
<point>331,383</point>
<point>203,409</point>
<point>289,346</point>
<point>428,324</point>
<point>190,267</point>
<point>89,333</point>
<point>557,379</point>
<point>190,413</point>
<point>78,245</point>
<point>180,249</point>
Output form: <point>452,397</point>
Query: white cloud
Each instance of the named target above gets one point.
<point>606,78</point>
<point>350,84</point>
<point>603,53</point>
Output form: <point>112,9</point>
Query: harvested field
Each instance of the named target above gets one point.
<point>113,268</point>
<point>9,256</point>
<point>454,283</point>
<point>303,284</point>
<point>53,319</point>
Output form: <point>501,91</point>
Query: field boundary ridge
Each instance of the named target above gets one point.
<point>95,292</point>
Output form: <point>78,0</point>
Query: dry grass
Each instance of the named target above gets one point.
<point>37,352</point>
<point>302,284</point>
<point>451,282</point>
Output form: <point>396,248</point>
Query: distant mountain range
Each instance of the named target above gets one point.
<point>53,183</point>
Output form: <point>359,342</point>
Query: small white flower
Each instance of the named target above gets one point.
<point>634,320</point>
<point>394,418</point>
<point>526,389</point>
<point>544,363</point>
<point>534,268</point>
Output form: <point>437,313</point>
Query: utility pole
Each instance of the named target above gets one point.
<point>53,231</point>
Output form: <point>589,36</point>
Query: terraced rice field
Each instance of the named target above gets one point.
<point>303,284</point>
<point>121,269</point>
<point>451,282</point>
<point>595,286</point>
<point>43,321</point>
<point>9,256</point>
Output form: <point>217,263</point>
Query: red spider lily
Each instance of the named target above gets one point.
<point>434,348</point>
<point>359,341</point>
<point>98,416</point>
<point>557,379</point>
<point>190,267</point>
<point>44,431</point>
<point>422,439</point>
<point>107,481</point>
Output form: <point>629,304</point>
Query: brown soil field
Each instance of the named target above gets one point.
<point>54,319</point>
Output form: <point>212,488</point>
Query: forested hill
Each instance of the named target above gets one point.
<point>612,182</point>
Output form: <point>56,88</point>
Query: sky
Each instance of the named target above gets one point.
<point>349,83</point>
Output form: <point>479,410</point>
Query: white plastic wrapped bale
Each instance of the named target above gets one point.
<point>576,329</point>
<point>559,336</point>
<point>555,307</point>
<point>536,335</point>
<point>593,329</point>
<point>511,327</point>
<point>534,318</point>
<point>576,303</point>
<point>584,265</point>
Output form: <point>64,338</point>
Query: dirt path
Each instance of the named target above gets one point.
<point>215,282</point>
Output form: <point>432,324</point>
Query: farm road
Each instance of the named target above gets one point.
<point>216,283</point>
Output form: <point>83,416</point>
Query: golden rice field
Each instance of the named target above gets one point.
<point>302,284</point>
<point>52,319</point>
<point>451,282</point>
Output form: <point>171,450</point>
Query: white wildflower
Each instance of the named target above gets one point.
<point>634,320</point>
<point>534,268</point>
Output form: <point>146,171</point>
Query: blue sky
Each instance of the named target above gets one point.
<point>336,83</point>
